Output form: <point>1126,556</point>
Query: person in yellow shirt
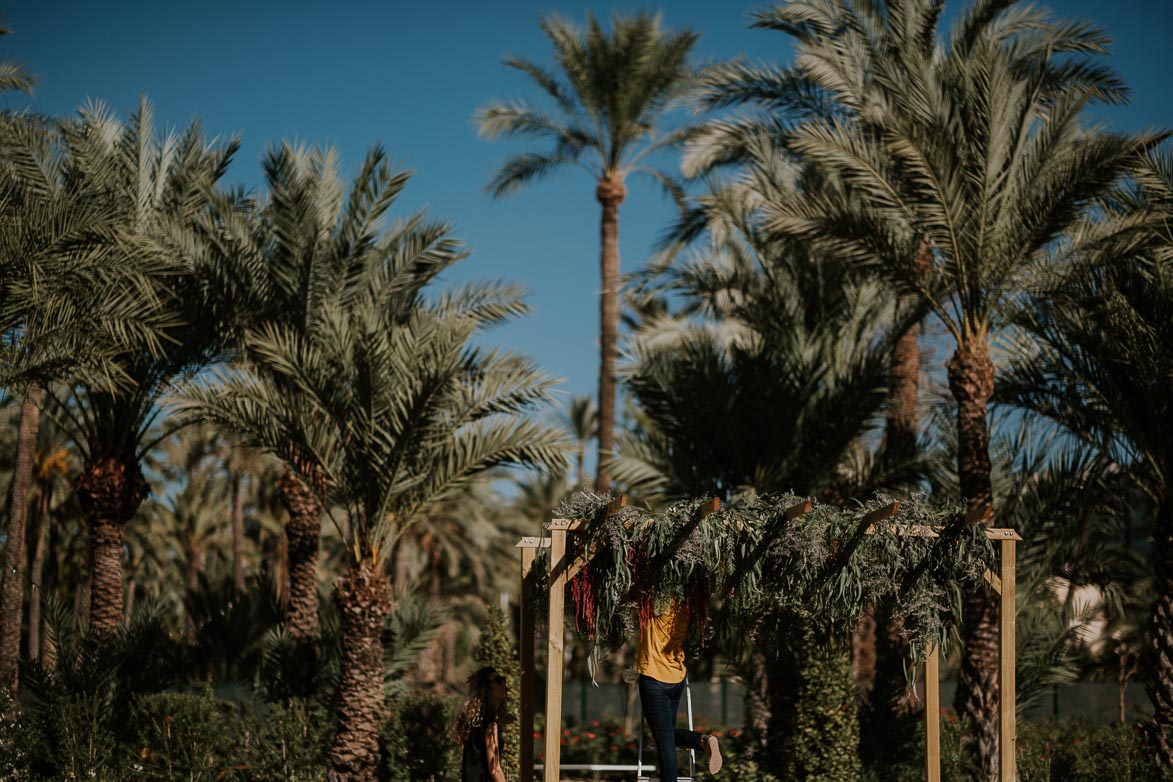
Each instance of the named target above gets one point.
<point>660,664</point>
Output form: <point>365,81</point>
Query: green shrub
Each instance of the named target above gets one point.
<point>417,740</point>
<point>496,648</point>
<point>183,735</point>
<point>288,741</point>
<point>1073,751</point>
<point>599,741</point>
<point>823,743</point>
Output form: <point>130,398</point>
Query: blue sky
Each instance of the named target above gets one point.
<point>411,75</point>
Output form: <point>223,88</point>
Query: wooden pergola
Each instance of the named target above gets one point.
<point>564,568</point>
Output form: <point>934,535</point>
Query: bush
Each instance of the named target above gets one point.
<point>1073,751</point>
<point>417,740</point>
<point>600,741</point>
<point>288,741</point>
<point>182,735</point>
<point>496,648</point>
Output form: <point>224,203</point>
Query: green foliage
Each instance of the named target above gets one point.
<point>818,566</point>
<point>194,736</point>
<point>178,735</point>
<point>496,648</point>
<point>417,740</point>
<point>610,92</point>
<point>823,744</point>
<point>289,742</point>
<point>373,393</point>
<point>1076,752</point>
<point>599,741</point>
<point>77,713</point>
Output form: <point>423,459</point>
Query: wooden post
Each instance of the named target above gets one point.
<point>553,737</point>
<point>932,716</point>
<point>525,696</point>
<point>1007,684</point>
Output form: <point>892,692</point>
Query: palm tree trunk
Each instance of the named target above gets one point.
<point>890,705</point>
<point>110,491</point>
<point>610,194</point>
<point>302,534</point>
<point>1160,685</point>
<point>37,570</point>
<point>282,572</point>
<point>131,588</point>
<point>971,380</point>
<point>238,532</point>
<point>12,592</point>
<point>363,597</point>
<point>901,424</point>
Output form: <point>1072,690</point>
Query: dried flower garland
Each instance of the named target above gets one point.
<point>751,561</point>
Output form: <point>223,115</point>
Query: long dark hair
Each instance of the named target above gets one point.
<point>478,706</point>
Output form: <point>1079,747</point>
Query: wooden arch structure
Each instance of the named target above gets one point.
<point>562,569</point>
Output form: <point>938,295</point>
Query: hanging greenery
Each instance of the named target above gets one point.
<point>823,567</point>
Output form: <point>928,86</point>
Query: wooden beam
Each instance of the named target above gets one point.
<point>932,716</point>
<point>794,511</point>
<point>525,694</point>
<point>979,515</point>
<point>1007,679</point>
<point>922,531</point>
<point>554,645</point>
<point>880,514</point>
<point>533,543</point>
<point>993,580</point>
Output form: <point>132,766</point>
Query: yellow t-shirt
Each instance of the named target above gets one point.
<point>661,645</point>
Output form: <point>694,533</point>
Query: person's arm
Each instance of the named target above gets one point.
<point>493,753</point>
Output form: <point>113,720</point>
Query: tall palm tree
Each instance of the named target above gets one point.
<point>68,303</point>
<point>767,376</point>
<point>581,419</point>
<point>311,241</point>
<point>984,155</point>
<point>611,92</point>
<point>383,409</point>
<point>1100,366</point>
<point>768,380</point>
<point>856,63</point>
<point>162,190</point>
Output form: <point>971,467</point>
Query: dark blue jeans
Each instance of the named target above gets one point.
<point>660,704</point>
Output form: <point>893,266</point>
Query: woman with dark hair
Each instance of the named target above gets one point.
<point>478,727</point>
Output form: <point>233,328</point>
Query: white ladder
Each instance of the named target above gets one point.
<point>640,774</point>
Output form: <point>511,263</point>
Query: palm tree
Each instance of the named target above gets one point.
<point>984,155</point>
<point>1100,364</point>
<point>856,64</point>
<point>13,75</point>
<point>162,192</point>
<point>767,377</point>
<point>768,380</point>
<point>311,242</point>
<point>612,92</point>
<point>383,409</point>
<point>581,419</point>
<point>67,305</point>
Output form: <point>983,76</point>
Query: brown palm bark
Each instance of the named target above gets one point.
<point>238,532</point>
<point>41,522</point>
<point>110,491</point>
<point>302,533</point>
<point>1160,685</point>
<point>610,194</point>
<point>363,597</point>
<point>890,705</point>
<point>12,591</point>
<point>971,380</point>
